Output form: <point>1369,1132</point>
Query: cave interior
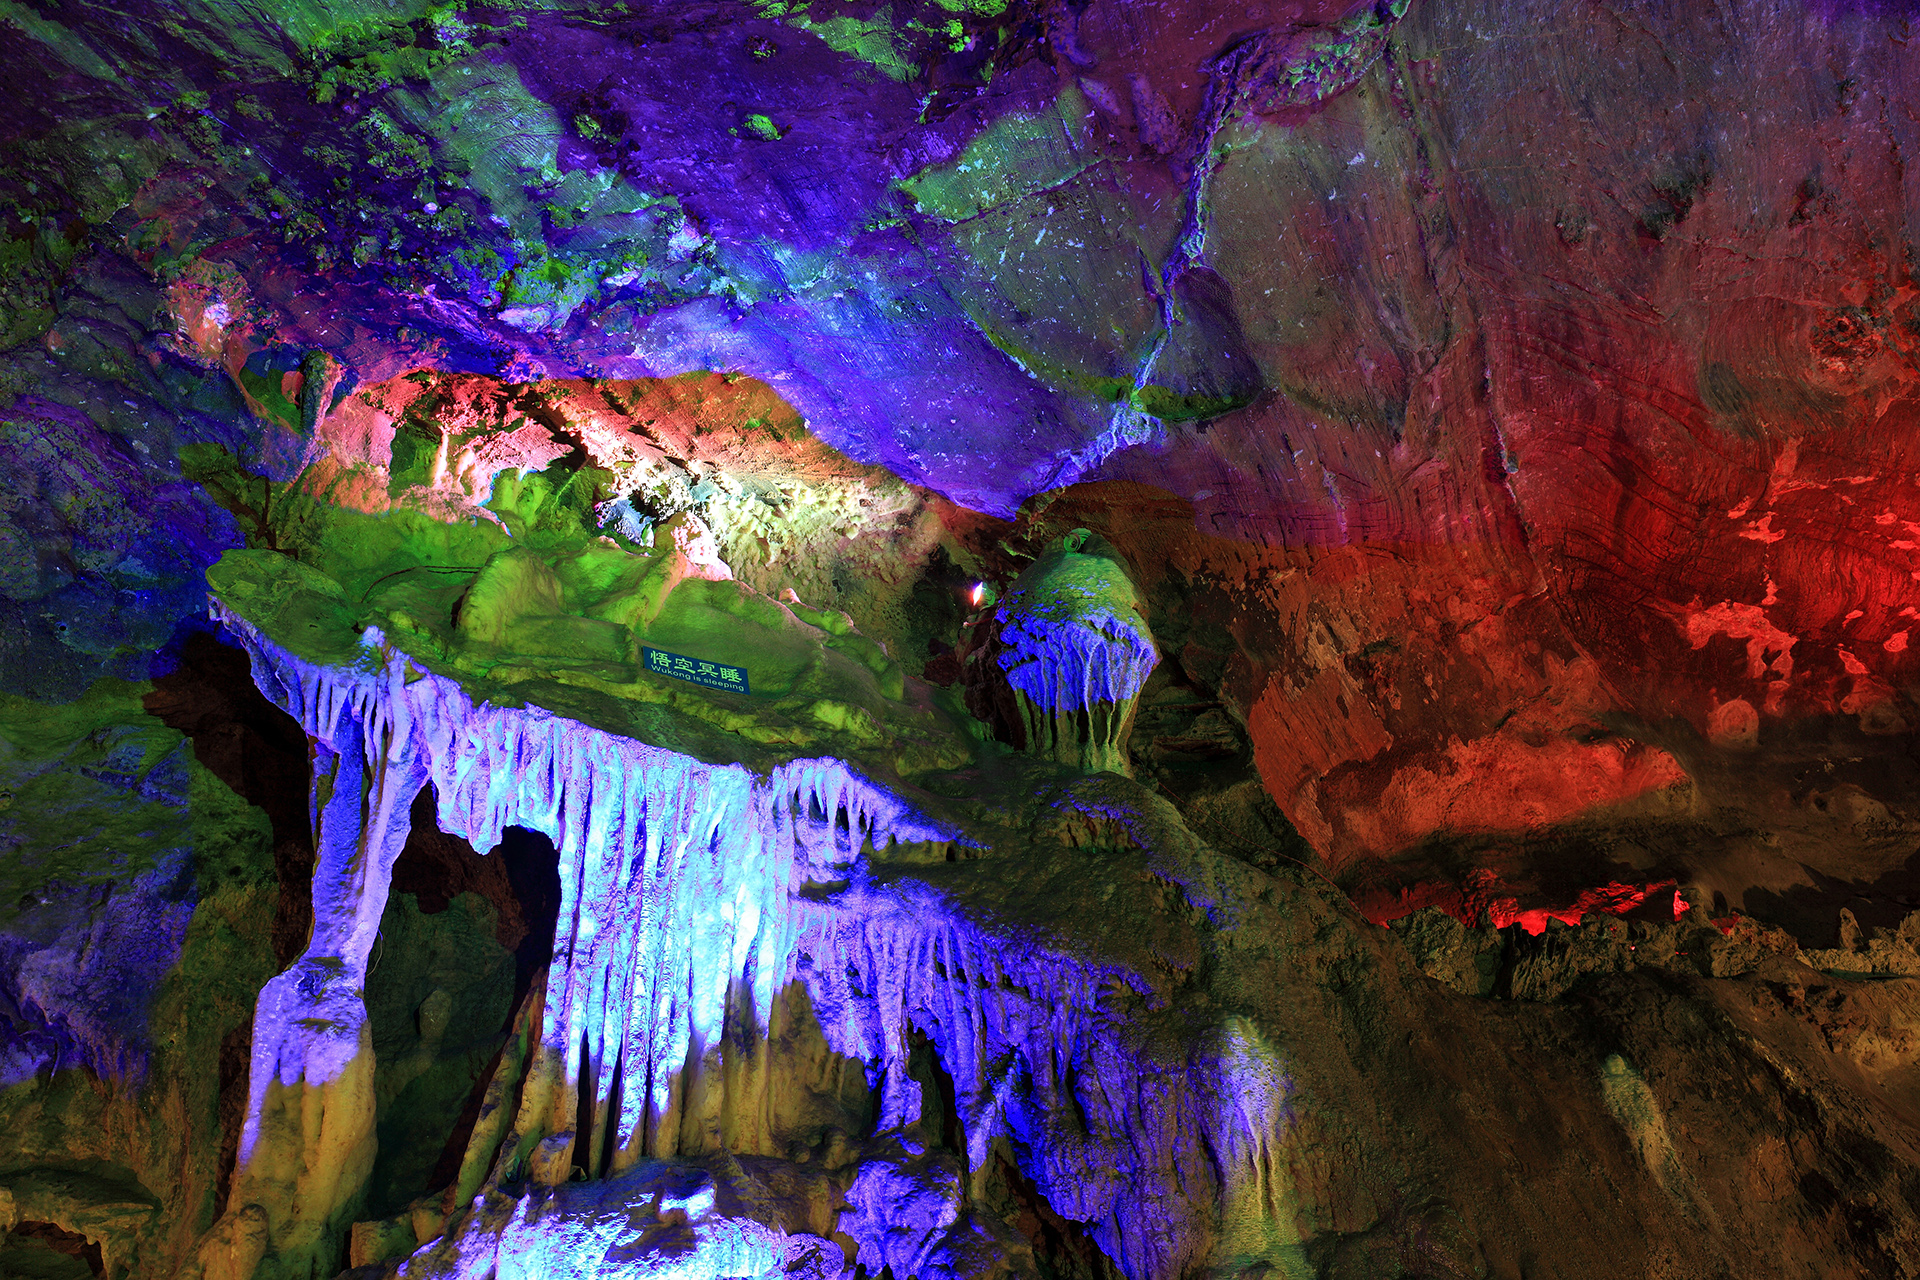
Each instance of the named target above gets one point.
<point>959,639</point>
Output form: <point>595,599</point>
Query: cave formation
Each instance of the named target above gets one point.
<point>1073,639</point>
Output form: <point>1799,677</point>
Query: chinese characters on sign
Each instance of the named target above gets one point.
<point>714,675</point>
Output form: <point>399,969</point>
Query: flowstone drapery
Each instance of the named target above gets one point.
<point>1074,646</point>
<point>699,902</point>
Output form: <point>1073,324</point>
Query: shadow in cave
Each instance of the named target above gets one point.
<point>1062,1247</point>
<point>1811,912</point>
<point>1815,817</point>
<point>939,1100</point>
<point>43,1251</point>
<point>261,753</point>
<point>444,990</point>
<point>258,750</point>
<point>1551,866</point>
<point>520,879</point>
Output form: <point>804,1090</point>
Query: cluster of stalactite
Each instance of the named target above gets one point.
<point>1060,666</point>
<point>694,897</point>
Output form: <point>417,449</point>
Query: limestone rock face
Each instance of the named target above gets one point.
<point>1325,232</point>
<point>716,639</point>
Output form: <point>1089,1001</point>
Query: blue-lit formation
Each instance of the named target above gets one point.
<point>699,904</point>
<point>1075,647</point>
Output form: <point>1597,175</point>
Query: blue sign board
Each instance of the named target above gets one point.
<point>714,675</point>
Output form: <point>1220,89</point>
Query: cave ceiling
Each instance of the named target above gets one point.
<point>960,637</point>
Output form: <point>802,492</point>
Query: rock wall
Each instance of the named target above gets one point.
<point>1492,419</point>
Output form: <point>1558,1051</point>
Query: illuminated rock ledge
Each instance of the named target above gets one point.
<point>790,984</point>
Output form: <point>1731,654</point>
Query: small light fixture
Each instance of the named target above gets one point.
<point>979,594</point>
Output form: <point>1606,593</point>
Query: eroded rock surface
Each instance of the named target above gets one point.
<point>902,590</point>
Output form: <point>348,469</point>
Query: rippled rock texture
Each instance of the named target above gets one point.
<point>731,638</point>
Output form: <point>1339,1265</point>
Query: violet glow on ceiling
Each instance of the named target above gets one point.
<point>772,191</point>
<point>1502,411</point>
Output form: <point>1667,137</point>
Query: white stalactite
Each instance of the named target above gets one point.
<point>680,900</point>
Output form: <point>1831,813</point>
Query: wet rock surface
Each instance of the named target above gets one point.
<point>1070,639</point>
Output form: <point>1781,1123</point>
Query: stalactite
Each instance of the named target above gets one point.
<point>1074,645</point>
<point>1035,1062</point>
<point>682,908</point>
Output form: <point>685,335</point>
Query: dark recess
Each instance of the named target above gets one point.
<point>521,878</point>
<point>258,750</point>
<point>939,1105</point>
<point>1062,1249</point>
<point>70,1243</point>
<point>261,752</point>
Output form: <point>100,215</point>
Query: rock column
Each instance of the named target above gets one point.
<point>308,1143</point>
<point>1074,645</point>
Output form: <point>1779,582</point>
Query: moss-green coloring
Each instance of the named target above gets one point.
<point>1015,156</point>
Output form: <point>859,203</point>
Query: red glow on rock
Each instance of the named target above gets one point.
<point>1501,782</point>
<point>1482,900</point>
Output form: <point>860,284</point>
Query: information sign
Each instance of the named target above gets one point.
<point>714,675</point>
